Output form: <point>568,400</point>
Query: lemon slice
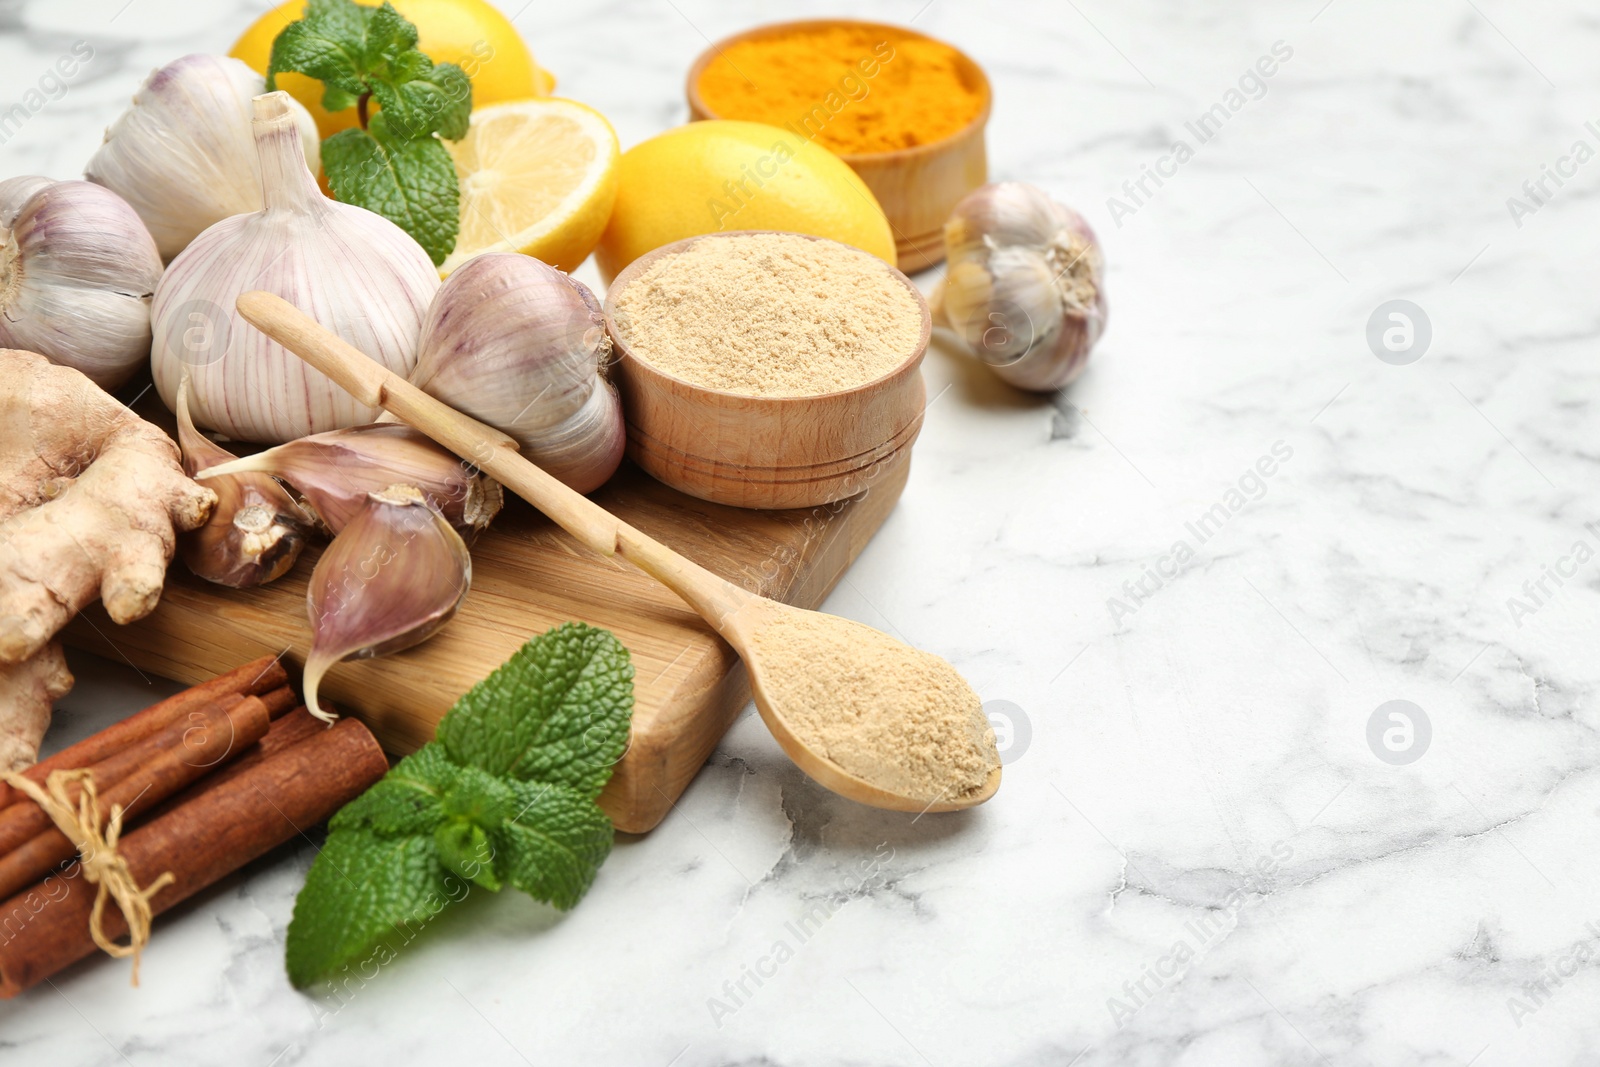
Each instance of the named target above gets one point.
<point>537,177</point>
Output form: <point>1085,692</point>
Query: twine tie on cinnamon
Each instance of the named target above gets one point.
<point>97,852</point>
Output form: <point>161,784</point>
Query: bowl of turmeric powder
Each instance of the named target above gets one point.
<point>905,111</point>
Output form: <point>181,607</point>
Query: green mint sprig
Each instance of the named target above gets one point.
<point>394,163</point>
<point>504,795</point>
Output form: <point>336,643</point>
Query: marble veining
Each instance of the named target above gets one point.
<point>1209,850</point>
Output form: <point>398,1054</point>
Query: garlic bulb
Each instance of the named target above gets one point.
<point>353,271</point>
<point>184,155</point>
<point>336,471</point>
<point>1024,287</point>
<point>391,578</point>
<point>520,345</point>
<point>255,532</point>
<point>77,270</point>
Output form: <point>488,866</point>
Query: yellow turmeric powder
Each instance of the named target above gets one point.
<point>853,88</point>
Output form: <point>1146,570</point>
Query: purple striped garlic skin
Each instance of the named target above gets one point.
<point>77,270</point>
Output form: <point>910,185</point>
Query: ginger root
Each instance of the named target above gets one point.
<point>91,500</point>
<point>27,692</point>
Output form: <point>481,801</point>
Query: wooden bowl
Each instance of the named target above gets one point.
<point>765,451</point>
<point>917,187</point>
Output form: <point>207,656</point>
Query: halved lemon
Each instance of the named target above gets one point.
<point>537,177</point>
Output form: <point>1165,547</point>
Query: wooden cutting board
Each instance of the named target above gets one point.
<point>527,577</point>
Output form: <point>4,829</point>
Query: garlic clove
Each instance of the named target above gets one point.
<point>1004,215</point>
<point>183,155</point>
<point>1005,307</point>
<point>391,578</point>
<point>77,272</point>
<point>336,471</point>
<point>1024,286</point>
<point>355,272</point>
<point>520,345</point>
<point>14,192</point>
<point>255,532</point>
<point>586,449</point>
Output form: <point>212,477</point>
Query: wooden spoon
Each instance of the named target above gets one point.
<point>736,614</point>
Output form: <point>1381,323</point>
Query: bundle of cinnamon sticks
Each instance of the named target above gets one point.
<point>208,780</point>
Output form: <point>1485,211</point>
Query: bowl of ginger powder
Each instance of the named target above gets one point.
<point>768,370</point>
<point>906,111</point>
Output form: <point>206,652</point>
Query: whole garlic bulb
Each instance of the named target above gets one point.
<point>354,271</point>
<point>520,345</point>
<point>184,154</point>
<point>1024,286</point>
<point>77,270</point>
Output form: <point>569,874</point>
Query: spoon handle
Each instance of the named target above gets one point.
<point>492,452</point>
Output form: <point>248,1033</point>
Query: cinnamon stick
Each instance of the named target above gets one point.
<point>279,701</point>
<point>21,823</point>
<point>288,730</point>
<point>46,927</point>
<point>252,679</point>
<point>180,754</point>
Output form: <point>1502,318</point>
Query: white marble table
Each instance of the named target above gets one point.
<point>1199,858</point>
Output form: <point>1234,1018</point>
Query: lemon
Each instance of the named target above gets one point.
<point>469,33</point>
<point>538,177</point>
<point>721,175</point>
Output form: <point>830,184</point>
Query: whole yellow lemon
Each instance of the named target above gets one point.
<point>719,175</point>
<point>472,34</point>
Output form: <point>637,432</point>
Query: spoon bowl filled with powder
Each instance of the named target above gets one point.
<point>869,717</point>
<point>769,370</point>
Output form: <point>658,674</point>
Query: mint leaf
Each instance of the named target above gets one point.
<point>344,18</point>
<point>342,44</point>
<point>505,795</point>
<point>365,897</point>
<point>387,37</point>
<point>337,99</point>
<point>554,847</point>
<point>328,44</point>
<point>409,800</point>
<point>464,848</point>
<point>422,99</point>
<point>556,712</point>
<point>394,164</point>
<point>478,796</point>
<point>411,183</point>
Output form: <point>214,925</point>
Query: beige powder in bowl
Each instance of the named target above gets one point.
<point>770,314</point>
